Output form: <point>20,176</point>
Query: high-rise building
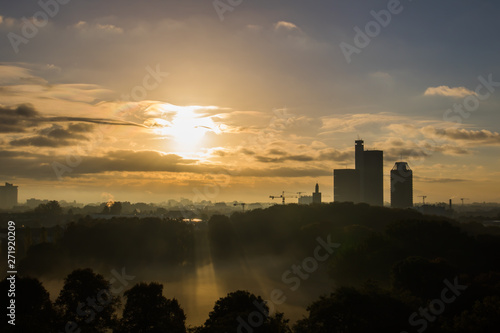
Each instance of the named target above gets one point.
<point>358,155</point>
<point>8,196</point>
<point>346,185</point>
<point>366,182</point>
<point>316,195</point>
<point>359,151</point>
<point>372,178</point>
<point>401,186</point>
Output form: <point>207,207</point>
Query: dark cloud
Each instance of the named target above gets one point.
<point>140,161</point>
<point>296,158</point>
<point>440,180</point>
<point>102,121</point>
<point>335,155</point>
<point>26,165</point>
<point>265,159</point>
<point>285,172</point>
<point>54,136</point>
<point>423,151</point>
<point>17,119</point>
<point>247,151</point>
<point>483,136</point>
<point>26,110</point>
<point>40,141</point>
<point>38,166</point>
<point>80,128</point>
<point>280,156</point>
<point>276,152</point>
<point>18,154</point>
<point>395,154</point>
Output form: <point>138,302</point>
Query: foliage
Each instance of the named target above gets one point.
<point>242,311</point>
<point>406,253</point>
<point>352,310</point>
<point>86,300</point>
<point>160,242</point>
<point>148,311</point>
<point>33,308</point>
<point>51,208</point>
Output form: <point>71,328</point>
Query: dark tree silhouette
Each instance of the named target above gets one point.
<point>148,311</point>
<point>49,209</point>
<point>241,311</point>
<point>222,237</point>
<point>86,302</point>
<point>484,317</point>
<point>42,259</point>
<point>351,310</point>
<point>422,277</point>
<point>33,308</point>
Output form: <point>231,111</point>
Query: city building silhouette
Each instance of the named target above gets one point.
<point>401,186</point>
<point>316,197</point>
<point>305,200</point>
<point>372,178</point>
<point>365,183</point>
<point>347,185</point>
<point>8,196</point>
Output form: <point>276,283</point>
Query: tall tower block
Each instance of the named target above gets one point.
<point>359,165</point>
<point>401,186</point>
<point>346,186</point>
<point>373,177</point>
<point>8,196</point>
<point>359,150</point>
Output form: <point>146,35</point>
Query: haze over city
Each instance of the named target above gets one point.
<point>160,100</point>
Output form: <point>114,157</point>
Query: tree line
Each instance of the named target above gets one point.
<point>90,303</point>
<point>391,271</point>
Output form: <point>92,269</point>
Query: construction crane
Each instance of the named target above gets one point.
<point>423,199</point>
<point>242,204</point>
<point>282,196</point>
<point>463,200</point>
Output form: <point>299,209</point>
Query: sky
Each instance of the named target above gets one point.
<point>238,100</point>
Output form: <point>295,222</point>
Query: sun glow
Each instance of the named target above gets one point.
<point>186,128</point>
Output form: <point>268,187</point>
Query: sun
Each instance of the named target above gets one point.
<point>186,129</point>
